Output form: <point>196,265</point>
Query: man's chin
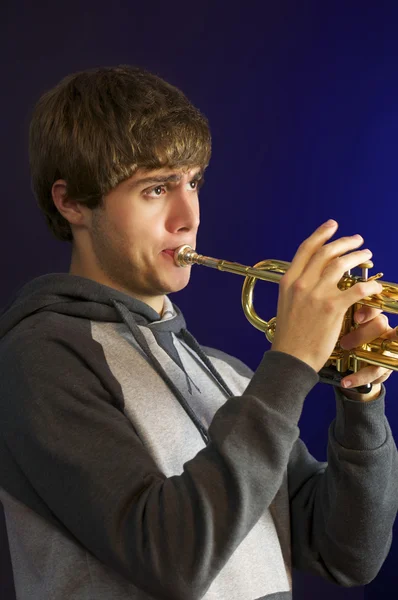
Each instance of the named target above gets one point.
<point>170,287</point>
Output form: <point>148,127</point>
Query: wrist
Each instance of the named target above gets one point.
<point>305,358</point>
<point>360,425</point>
<point>372,395</point>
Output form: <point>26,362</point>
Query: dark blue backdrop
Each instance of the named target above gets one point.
<point>302,102</point>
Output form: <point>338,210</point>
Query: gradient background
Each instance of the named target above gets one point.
<point>302,102</point>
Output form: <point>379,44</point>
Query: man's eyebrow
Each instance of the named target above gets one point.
<point>163,179</point>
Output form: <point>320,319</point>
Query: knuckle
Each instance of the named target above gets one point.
<point>382,373</point>
<point>319,302</point>
<point>361,289</point>
<point>350,240</point>
<point>304,245</point>
<point>298,286</point>
<point>379,322</point>
<point>284,282</point>
<point>329,306</point>
<point>324,251</point>
<point>339,263</point>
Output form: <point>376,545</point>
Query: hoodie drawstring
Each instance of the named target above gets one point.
<point>141,340</point>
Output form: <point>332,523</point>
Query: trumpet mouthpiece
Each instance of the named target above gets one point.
<point>183,255</point>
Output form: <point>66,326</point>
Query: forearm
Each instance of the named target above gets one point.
<point>342,518</point>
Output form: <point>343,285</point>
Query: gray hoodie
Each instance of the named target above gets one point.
<point>137,464</point>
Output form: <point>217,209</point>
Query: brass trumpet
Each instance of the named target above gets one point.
<point>379,352</point>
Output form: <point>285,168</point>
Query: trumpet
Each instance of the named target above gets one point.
<point>379,352</point>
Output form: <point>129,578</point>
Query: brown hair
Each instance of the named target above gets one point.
<point>97,127</point>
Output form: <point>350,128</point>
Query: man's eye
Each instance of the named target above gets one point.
<point>195,184</point>
<point>157,191</point>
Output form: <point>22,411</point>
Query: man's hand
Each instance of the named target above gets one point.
<point>372,324</point>
<point>311,307</point>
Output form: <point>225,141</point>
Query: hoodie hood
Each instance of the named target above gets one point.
<point>81,297</point>
<point>77,296</point>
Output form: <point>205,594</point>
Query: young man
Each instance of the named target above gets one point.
<point>134,462</point>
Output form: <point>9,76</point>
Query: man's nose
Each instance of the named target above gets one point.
<point>184,211</point>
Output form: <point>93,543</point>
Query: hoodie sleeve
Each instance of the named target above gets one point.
<point>342,511</point>
<point>63,425</point>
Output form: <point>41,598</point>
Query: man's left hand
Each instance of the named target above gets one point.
<point>371,324</point>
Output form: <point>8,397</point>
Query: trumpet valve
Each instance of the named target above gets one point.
<point>365,266</point>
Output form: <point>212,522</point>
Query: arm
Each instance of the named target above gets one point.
<point>343,511</point>
<point>64,427</point>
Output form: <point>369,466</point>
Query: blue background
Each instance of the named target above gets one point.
<point>302,103</point>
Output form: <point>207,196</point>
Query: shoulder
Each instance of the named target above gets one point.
<point>44,325</point>
<point>45,332</point>
<point>50,359</point>
<point>47,346</point>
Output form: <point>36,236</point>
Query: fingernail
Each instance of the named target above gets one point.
<point>359,317</point>
<point>330,222</point>
<point>347,383</point>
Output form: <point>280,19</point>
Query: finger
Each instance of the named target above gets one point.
<point>391,334</point>
<point>365,333</point>
<point>359,291</point>
<point>366,375</point>
<point>334,255</point>
<point>335,269</point>
<point>365,314</point>
<point>384,378</point>
<point>310,246</point>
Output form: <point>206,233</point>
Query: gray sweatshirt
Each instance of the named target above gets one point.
<point>137,464</point>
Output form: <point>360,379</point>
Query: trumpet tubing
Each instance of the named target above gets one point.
<point>379,352</point>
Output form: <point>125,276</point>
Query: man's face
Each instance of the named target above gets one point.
<point>132,238</point>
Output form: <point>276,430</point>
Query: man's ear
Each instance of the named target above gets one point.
<point>70,209</point>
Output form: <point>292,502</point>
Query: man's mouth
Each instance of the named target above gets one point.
<point>169,252</point>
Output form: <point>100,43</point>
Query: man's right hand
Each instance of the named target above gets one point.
<point>311,307</point>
